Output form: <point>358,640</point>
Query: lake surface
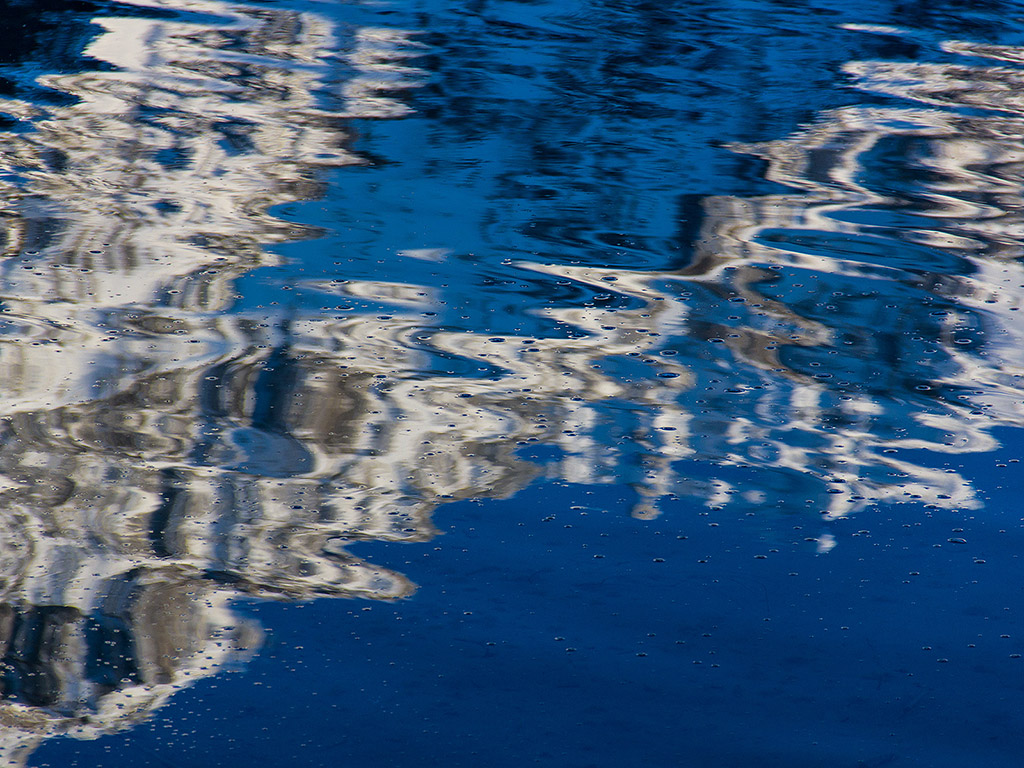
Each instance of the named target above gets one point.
<point>576,383</point>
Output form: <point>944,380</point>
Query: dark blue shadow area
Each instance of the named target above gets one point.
<point>555,630</point>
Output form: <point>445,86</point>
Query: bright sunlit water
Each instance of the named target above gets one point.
<point>574,383</point>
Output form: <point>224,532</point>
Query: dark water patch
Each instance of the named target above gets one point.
<point>517,598</point>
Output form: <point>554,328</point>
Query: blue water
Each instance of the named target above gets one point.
<point>502,383</point>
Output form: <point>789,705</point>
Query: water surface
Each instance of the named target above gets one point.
<point>643,381</point>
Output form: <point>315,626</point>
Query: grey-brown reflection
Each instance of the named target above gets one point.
<point>159,459</point>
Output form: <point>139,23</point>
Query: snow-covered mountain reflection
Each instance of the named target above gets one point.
<point>881,294</point>
<point>160,457</point>
<point>166,450</point>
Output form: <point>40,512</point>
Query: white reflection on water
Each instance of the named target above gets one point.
<point>163,453</point>
<point>145,480</point>
<point>898,258</point>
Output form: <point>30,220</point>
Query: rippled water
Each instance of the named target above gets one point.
<point>693,327</point>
